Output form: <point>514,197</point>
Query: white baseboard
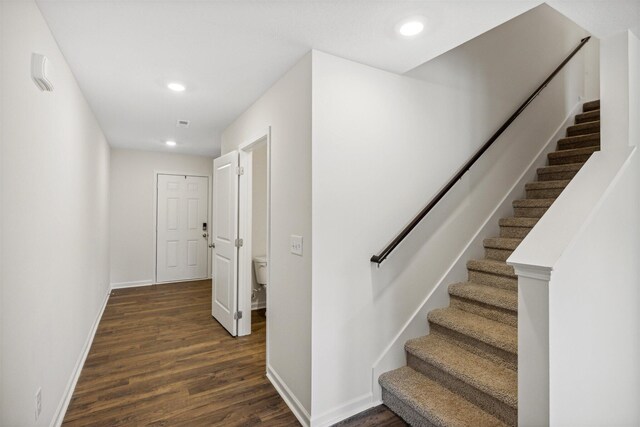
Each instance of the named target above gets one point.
<point>393,355</point>
<point>133,284</point>
<point>349,409</point>
<point>289,398</point>
<point>149,282</point>
<point>71,385</point>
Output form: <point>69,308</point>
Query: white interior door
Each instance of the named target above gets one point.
<point>225,232</point>
<point>181,249</point>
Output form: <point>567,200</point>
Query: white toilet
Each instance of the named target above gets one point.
<point>260,267</point>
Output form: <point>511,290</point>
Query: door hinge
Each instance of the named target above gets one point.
<point>237,315</point>
<point>239,170</point>
<point>239,243</point>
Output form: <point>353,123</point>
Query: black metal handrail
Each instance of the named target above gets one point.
<point>414,222</point>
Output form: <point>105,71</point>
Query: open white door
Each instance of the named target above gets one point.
<point>225,233</point>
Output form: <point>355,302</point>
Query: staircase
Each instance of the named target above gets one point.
<point>464,373</point>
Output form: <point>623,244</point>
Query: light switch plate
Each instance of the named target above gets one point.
<point>296,245</point>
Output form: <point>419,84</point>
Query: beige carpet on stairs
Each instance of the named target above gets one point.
<point>465,373</point>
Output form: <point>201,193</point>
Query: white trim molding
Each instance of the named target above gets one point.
<point>71,385</point>
<point>349,409</point>
<point>133,284</point>
<point>538,272</point>
<point>289,398</point>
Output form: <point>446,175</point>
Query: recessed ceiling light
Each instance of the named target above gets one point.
<point>410,28</point>
<point>171,143</point>
<point>176,87</point>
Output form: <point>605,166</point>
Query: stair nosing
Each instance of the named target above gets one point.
<point>487,242</point>
<point>483,334</point>
<point>585,124</point>
<point>533,203</point>
<point>473,265</point>
<point>488,290</point>
<point>573,152</point>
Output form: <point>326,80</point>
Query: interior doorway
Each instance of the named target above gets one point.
<point>240,232</point>
<point>253,262</point>
<point>182,229</point>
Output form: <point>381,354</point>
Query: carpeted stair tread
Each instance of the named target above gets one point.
<point>579,141</point>
<point>489,377</point>
<point>569,167</point>
<point>543,185</point>
<point>435,404</point>
<point>591,105</point>
<point>518,221</point>
<point>499,268</point>
<point>573,152</point>
<point>588,116</point>
<point>489,295</point>
<point>533,203</point>
<point>574,155</point>
<point>490,332</point>
<point>502,242</point>
<point>584,128</point>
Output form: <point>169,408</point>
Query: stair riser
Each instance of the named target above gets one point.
<point>565,160</point>
<point>482,349</point>
<point>591,105</point>
<point>547,193</point>
<point>498,314</point>
<point>569,145</point>
<point>497,254</point>
<point>555,176</point>
<point>485,401</point>
<point>514,232</point>
<point>529,212</point>
<point>582,130</point>
<point>589,116</point>
<point>502,282</point>
<point>403,410</point>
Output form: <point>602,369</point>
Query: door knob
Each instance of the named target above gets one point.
<point>205,235</point>
<point>212,245</point>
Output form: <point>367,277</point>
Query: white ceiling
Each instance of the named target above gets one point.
<point>228,53</point>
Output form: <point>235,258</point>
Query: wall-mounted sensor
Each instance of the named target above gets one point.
<point>39,72</point>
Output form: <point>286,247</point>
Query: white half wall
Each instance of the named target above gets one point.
<point>286,108</point>
<point>383,145</point>
<point>594,313</point>
<point>133,210</point>
<point>55,237</point>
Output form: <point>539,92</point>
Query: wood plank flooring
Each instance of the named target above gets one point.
<point>159,358</point>
<point>379,416</point>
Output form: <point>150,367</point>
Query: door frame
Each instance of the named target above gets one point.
<point>155,221</point>
<point>245,217</point>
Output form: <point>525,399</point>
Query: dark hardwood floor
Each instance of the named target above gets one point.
<point>159,358</point>
<point>380,416</point>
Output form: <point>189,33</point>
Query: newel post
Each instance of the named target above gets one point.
<point>533,344</point>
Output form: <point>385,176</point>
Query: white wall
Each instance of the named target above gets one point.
<point>286,108</point>
<point>132,209</point>
<point>55,251</point>
<point>259,215</point>
<point>383,145</point>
